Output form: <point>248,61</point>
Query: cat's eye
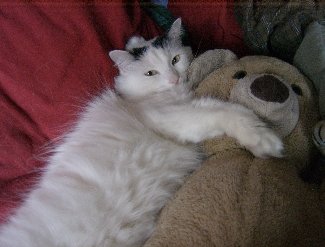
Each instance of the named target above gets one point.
<point>176,59</point>
<point>151,73</point>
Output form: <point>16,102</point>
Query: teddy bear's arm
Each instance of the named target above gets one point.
<point>207,118</point>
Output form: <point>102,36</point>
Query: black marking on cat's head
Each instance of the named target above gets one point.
<point>138,52</point>
<point>160,41</point>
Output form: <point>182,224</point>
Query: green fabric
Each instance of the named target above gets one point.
<point>160,14</point>
<point>163,17</point>
<point>276,28</point>
<point>310,59</point>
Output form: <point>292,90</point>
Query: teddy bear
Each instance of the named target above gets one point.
<point>234,198</point>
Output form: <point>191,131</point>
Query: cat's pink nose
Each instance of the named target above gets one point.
<point>174,80</point>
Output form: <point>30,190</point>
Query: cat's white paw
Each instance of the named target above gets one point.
<point>263,143</point>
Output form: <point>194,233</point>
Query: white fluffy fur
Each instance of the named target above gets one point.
<point>107,181</point>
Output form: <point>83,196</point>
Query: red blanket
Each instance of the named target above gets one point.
<point>53,58</point>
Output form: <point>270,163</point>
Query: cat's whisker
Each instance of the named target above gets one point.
<point>198,48</point>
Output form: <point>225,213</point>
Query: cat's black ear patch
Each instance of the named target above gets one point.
<point>138,52</point>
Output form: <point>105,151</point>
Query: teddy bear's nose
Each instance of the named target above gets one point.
<point>270,89</point>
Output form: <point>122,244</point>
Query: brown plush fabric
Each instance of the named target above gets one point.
<point>235,199</point>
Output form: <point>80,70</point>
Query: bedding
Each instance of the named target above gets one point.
<point>277,28</point>
<point>53,59</point>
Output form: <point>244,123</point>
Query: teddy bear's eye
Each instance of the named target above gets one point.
<point>296,89</point>
<point>239,74</point>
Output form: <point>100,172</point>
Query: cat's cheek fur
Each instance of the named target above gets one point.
<point>186,58</point>
<point>131,88</point>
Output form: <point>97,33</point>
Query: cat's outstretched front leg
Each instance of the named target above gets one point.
<point>254,134</point>
<point>207,118</point>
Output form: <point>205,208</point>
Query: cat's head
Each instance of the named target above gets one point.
<point>153,66</point>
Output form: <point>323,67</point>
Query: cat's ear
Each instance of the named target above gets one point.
<point>121,58</point>
<point>176,29</point>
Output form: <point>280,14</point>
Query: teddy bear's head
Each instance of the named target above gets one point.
<point>270,96</point>
<point>276,91</point>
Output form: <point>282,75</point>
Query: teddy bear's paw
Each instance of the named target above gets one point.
<point>265,143</point>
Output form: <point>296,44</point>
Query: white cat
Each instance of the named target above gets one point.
<point>129,152</point>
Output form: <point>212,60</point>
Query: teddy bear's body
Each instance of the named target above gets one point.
<point>235,199</point>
